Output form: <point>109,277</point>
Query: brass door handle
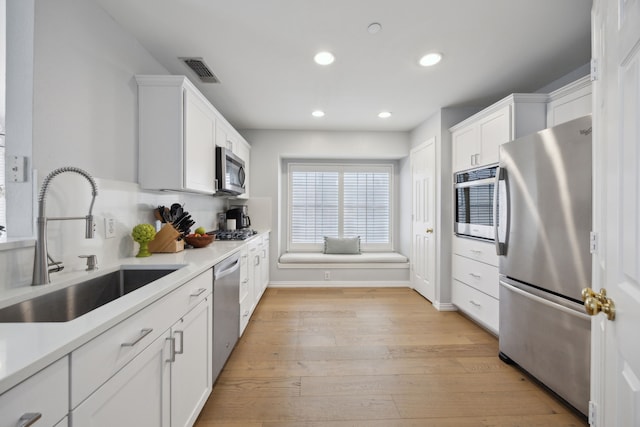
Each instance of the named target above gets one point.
<point>429,230</point>
<point>595,303</point>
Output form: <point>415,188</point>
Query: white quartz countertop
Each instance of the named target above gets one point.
<point>26,348</point>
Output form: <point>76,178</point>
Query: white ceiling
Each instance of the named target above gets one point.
<point>262,52</point>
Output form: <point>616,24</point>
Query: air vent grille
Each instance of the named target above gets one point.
<point>201,69</point>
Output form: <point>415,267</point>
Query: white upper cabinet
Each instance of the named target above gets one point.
<point>569,102</point>
<point>177,128</point>
<point>476,141</point>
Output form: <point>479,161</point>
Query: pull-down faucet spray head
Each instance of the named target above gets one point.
<point>41,265</point>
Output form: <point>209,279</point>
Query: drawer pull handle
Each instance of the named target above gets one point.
<point>477,276</point>
<point>245,281</point>
<point>172,350</point>
<point>143,333</point>
<point>198,292</point>
<point>29,419</point>
<point>475,251</point>
<point>475,304</point>
<point>246,313</point>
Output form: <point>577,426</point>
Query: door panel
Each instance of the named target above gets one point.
<point>424,202</point>
<point>616,351</point>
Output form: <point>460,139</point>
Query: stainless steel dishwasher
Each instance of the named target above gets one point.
<point>226,310</point>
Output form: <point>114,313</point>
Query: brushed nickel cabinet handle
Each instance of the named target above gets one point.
<point>172,350</point>
<point>181,333</point>
<point>29,419</point>
<point>143,333</point>
<point>198,292</point>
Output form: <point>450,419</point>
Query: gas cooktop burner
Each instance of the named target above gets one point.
<point>241,234</point>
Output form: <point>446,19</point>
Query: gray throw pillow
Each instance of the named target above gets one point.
<point>342,245</point>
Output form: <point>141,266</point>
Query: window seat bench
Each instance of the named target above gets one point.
<point>362,260</point>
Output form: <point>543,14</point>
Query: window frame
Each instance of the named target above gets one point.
<point>332,166</point>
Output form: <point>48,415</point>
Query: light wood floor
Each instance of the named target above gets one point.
<point>375,358</point>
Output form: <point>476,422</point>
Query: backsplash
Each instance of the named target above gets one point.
<point>70,195</point>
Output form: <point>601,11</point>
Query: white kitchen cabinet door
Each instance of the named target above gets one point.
<point>494,131</point>
<point>254,272</point>
<point>138,395</point>
<point>199,147</point>
<point>176,144</point>
<point>264,264</point>
<point>191,380</point>
<point>466,148</point>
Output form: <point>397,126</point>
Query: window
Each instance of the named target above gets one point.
<point>340,200</point>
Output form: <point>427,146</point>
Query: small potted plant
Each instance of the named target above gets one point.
<point>143,234</point>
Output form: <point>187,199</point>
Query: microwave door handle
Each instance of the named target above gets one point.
<point>500,211</point>
<point>241,176</point>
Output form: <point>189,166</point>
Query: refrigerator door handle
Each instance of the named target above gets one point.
<point>500,219</point>
<point>546,302</point>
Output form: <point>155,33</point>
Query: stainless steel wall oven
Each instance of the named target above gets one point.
<point>474,202</point>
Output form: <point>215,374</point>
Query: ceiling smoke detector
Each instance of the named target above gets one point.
<point>201,69</point>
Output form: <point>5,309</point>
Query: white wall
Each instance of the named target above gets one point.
<point>85,115</point>
<point>437,126</point>
<point>269,147</point>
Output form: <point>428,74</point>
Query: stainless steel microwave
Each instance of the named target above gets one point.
<point>230,173</point>
<point>474,202</point>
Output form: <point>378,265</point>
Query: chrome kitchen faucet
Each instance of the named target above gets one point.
<point>41,261</point>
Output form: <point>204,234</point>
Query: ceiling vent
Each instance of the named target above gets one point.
<point>201,69</point>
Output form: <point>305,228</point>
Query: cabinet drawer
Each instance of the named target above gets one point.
<point>245,313</point>
<point>99,359</point>
<point>475,249</point>
<point>46,393</point>
<point>481,307</point>
<point>476,274</point>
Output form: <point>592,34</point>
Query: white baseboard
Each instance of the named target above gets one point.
<point>340,284</point>
<point>444,306</point>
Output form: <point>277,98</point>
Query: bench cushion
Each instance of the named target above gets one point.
<point>320,258</point>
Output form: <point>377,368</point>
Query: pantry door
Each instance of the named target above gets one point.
<point>615,391</point>
<point>423,256</point>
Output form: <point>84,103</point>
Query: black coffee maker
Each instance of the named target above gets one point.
<point>239,213</point>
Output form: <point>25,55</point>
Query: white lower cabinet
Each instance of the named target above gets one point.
<point>164,382</point>
<point>475,281</point>
<point>138,395</point>
<point>191,379</point>
<point>43,398</point>
<point>479,306</point>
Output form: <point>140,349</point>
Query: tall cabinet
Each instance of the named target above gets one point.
<point>476,143</point>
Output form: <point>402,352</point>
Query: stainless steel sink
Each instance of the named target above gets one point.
<point>74,301</point>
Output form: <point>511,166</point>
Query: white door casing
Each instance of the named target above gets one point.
<point>615,371</point>
<point>423,186</point>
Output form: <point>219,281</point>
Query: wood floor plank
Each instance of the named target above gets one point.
<point>372,357</point>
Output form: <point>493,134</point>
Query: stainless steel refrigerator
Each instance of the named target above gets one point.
<point>543,229</point>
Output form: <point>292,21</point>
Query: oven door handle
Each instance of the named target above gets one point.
<point>501,211</point>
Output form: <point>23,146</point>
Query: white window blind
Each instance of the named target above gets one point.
<point>340,201</point>
<point>366,206</point>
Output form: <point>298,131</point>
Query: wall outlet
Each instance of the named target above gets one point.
<point>327,275</point>
<point>109,228</point>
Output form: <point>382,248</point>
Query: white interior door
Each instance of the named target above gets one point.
<point>423,256</point>
<point>615,391</point>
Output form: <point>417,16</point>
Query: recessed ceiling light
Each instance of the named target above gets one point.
<point>374,28</point>
<point>318,113</point>
<point>384,114</point>
<point>324,58</point>
<point>430,59</point>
